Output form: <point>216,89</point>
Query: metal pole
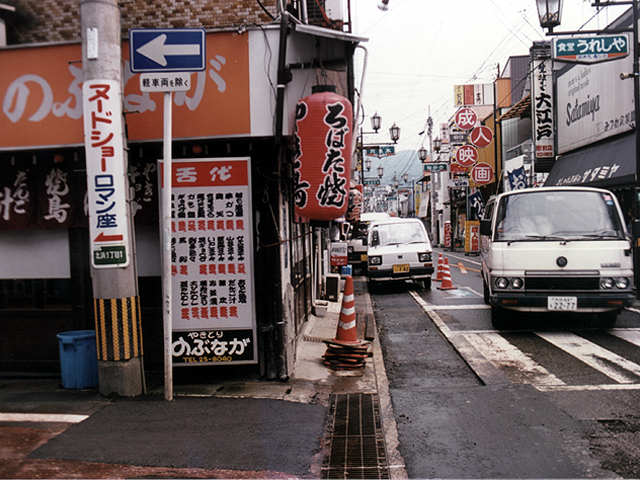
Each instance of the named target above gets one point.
<point>166,258</point>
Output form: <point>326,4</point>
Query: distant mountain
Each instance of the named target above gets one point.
<point>405,161</point>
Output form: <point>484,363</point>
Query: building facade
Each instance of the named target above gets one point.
<point>261,58</point>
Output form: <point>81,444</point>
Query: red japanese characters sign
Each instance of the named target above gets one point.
<point>481,136</point>
<point>323,156</point>
<point>212,262</point>
<point>467,156</point>
<point>466,118</point>
<point>106,181</point>
<point>482,174</point>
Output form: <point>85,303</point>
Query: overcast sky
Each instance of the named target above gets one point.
<point>419,49</point>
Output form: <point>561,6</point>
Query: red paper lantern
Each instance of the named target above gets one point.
<point>322,162</point>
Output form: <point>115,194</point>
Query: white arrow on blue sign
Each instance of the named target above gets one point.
<point>167,49</point>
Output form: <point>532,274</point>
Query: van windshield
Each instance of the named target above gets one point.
<point>558,215</point>
<point>397,233</point>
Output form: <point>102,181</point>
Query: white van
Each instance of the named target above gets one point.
<point>357,244</point>
<point>399,249</point>
<point>556,249</point>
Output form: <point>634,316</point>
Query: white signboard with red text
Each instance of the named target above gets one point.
<point>106,180</point>
<point>212,262</point>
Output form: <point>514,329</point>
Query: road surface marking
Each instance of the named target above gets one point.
<point>517,365</point>
<point>42,417</point>
<point>599,358</point>
<point>631,336</point>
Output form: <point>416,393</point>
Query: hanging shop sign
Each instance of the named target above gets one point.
<point>481,136</point>
<point>542,106</point>
<point>482,174</point>
<point>590,49</point>
<point>467,156</point>
<point>212,262</point>
<point>322,162</point>
<point>466,118</point>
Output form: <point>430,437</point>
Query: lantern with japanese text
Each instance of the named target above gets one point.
<point>323,136</point>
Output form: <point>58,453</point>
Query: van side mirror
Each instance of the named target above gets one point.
<point>375,239</point>
<point>485,227</point>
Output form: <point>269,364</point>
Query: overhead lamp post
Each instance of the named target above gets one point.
<point>422,154</point>
<point>550,12</point>
<point>376,122</point>
<point>394,133</point>
<point>380,171</point>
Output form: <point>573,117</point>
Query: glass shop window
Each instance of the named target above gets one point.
<point>35,294</point>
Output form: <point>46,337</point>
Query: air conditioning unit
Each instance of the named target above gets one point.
<point>334,9</point>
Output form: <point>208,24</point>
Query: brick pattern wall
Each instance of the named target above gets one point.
<point>43,21</point>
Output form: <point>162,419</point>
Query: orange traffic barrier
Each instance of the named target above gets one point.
<point>447,284</point>
<point>440,269</point>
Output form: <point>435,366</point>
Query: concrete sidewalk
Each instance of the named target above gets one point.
<point>220,429</point>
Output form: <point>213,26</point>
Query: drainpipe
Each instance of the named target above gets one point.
<point>284,75</point>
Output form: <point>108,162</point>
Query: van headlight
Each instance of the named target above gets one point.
<point>607,283</point>
<point>424,257</point>
<point>622,283</point>
<point>349,249</point>
<point>375,260</point>
<point>513,283</point>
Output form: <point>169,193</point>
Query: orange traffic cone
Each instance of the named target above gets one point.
<point>440,269</point>
<point>347,331</point>
<point>447,284</point>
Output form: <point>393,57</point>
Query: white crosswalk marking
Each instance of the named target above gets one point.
<point>518,366</point>
<point>612,365</point>
<point>631,336</point>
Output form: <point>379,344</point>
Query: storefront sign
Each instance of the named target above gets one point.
<point>542,109</point>
<point>106,180</point>
<point>591,49</point>
<point>212,262</point>
<point>41,96</point>
<point>339,255</point>
<point>594,103</point>
<point>472,236</point>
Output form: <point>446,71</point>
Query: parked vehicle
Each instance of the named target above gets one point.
<point>399,249</point>
<point>357,245</point>
<point>556,249</point>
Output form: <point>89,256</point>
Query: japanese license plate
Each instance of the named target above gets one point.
<point>363,257</point>
<point>562,303</point>
<point>401,268</point>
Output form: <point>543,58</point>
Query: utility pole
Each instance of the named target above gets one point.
<point>113,261</point>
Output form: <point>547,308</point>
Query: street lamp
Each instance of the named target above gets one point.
<point>376,122</point>
<point>394,132</point>
<point>405,177</point>
<point>437,145</point>
<point>422,154</point>
<point>367,164</point>
<point>380,171</point>
<point>549,13</point>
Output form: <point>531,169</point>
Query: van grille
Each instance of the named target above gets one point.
<point>561,283</point>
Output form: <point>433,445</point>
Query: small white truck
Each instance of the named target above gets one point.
<point>556,249</point>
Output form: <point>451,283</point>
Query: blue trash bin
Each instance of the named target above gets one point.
<point>78,359</point>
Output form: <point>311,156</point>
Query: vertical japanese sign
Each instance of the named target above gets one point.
<point>212,262</point>
<point>106,180</point>
<point>542,109</point>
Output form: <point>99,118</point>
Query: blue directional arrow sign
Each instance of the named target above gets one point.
<point>167,49</point>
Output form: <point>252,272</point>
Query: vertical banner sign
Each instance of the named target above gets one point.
<point>212,262</point>
<point>472,236</point>
<point>106,180</point>
<point>542,109</point>
<point>447,234</point>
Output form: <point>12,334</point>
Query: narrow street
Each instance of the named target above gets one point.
<point>553,398</point>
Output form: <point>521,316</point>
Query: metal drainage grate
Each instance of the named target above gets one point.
<point>355,443</point>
